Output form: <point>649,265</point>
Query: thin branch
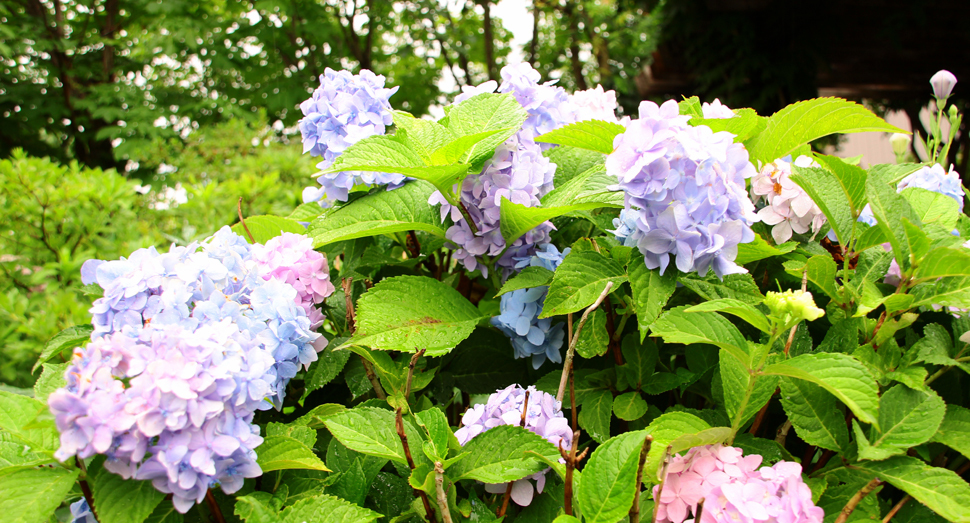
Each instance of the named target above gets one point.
<point>347,285</point>
<point>86,491</point>
<point>439,485</point>
<point>414,361</point>
<point>399,425</point>
<point>644,451</point>
<point>243,221</point>
<point>571,351</point>
<point>896,508</point>
<point>660,485</point>
<point>855,499</point>
<point>214,507</point>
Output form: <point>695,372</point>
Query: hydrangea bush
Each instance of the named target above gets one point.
<point>719,325</point>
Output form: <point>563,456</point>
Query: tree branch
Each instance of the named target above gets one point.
<point>855,499</point>
<point>571,351</point>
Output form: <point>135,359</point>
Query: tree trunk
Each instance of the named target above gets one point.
<point>489,41</point>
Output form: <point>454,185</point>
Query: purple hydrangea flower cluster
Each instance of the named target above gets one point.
<point>686,186</point>
<point>716,110</point>
<point>517,171</point>
<point>733,489</point>
<point>937,180</point>
<point>504,407</point>
<point>208,334</point>
<point>343,110</point>
<point>520,309</point>
<point>787,207</point>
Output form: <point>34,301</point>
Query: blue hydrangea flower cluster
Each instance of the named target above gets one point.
<point>933,179</point>
<point>343,110</point>
<point>188,345</point>
<point>517,171</point>
<point>685,192</point>
<point>520,309</point>
<point>81,512</point>
<point>504,407</point>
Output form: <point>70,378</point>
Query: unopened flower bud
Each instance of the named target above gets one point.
<point>790,306</point>
<point>943,82</point>
<point>900,143</point>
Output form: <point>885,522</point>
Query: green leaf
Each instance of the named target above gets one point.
<point>410,313</point>
<point>424,136</point>
<point>814,414</point>
<point>595,414</point>
<point>371,431</point>
<point>890,209</point>
<point>14,453</point>
<point>69,338</point>
<point>666,429</point>
<point>483,113</point>
<point>529,278</point>
<point>943,262</point>
<point>609,479</point>
<point>893,173</point>
<point>907,418</point>
<point>759,249</point>
<point>118,500</point>
<point>820,270</point>
<point>955,430</point>
<point>50,379</point>
<point>594,339</point>
<point>744,393</point>
<point>579,280</point>
<point>315,418</point>
<point>851,178</point>
<point>466,149</point>
<point>439,433</point>
<point>283,452</point>
<point>502,370</point>
<point>590,186</point>
<point>735,308</point>
<point>516,219</point>
<point>640,359</point>
<point>804,121</point>
<point>629,406</point>
<point>324,370</point>
<point>327,509</point>
<point>594,135</point>
<point>264,228</point>
<point>842,375</point>
<point>948,292</point>
<point>831,194</point>
<point>571,162</point>
<point>933,207</point>
<point>651,291</point>
<point>17,416</point>
<point>709,436</point>
<point>743,126</point>
<point>691,107</point>
<point>166,513</point>
<point>940,489</point>
<point>501,454</point>
<point>738,286</point>
<point>679,326</point>
<point>31,495</point>
<point>254,509</point>
<point>382,212</point>
<point>306,212</point>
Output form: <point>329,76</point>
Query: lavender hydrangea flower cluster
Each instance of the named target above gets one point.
<point>543,417</point>
<point>937,180</point>
<point>517,171</point>
<point>343,110</point>
<point>716,110</point>
<point>593,104</point>
<point>686,187</point>
<point>520,309</point>
<point>787,207</point>
<point>733,488</point>
<point>188,345</point>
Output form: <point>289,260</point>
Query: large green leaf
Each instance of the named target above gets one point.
<point>579,280</point>
<point>382,212</point>
<point>484,113</point>
<point>743,126</point>
<point>371,431</point>
<point>485,345</point>
<point>943,262</point>
<point>890,209</point>
<point>737,308</point>
<point>30,495</point>
<point>595,414</point>
<point>804,121</point>
<point>933,207</point>
<point>69,338</point>
<point>516,219</point>
<point>119,500</point>
<point>679,326</point>
<point>759,249</point>
<point>651,291</point>
<point>530,277</point>
<point>593,135</point>
<point>831,194</point>
<point>842,375</point>
<point>265,227</point>
<point>325,369</point>
<point>610,479</point>
<point>17,416</point>
<point>424,136</point>
<point>940,489</point>
<point>955,430</point>
<point>814,414</point>
<point>327,509</point>
<point>738,286</point>
<point>590,186</point>
<point>410,313</point>
<point>571,162</point>
<point>744,392</point>
<point>907,418</point>
<point>820,270</point>
<point>666,429</point>
<point>280,452</point>
<point>503,454</point>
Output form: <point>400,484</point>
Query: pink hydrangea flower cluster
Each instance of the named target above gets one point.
<point>787,207</point>
<point>734,489</point>
<point>504,407</point>
<point>291,259</point>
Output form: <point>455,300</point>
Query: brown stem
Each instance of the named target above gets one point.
<point>414,361</point>
<point>347,285</point>
<point>571,351</point>
<point>660,485</point>
<point>468,217</point>
<point>439,485</point>
<point>572,399</point>
<point>826,456</point>
<point>809,454</point>
<point>570,466</point>
<point>210,500</point>
<point>896,508</point>
<point>399,425</point>
<point>855,499</point>
<point>243,221</point>
<point>644,451</point>
<point>88,496</point>
<point>414,248</point>
<point>700,510</point>
<point>508,488</point>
